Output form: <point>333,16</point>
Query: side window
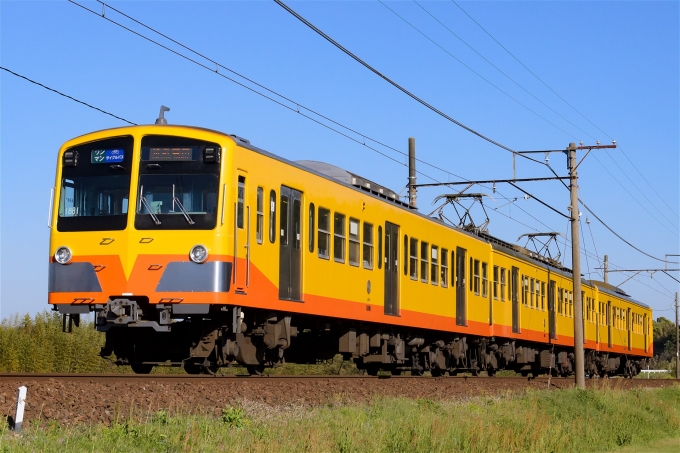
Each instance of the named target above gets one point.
<point>525,296</point>
<point>542,295</point>
<point>324,233</point>
<point>434,265</point>
<point>339,237</point>
<point>272,216</point>
<point>241,200</point>
<point>471,279</point>
<point>413,261</point>
<point>424,249</point>
<point>380,239</point>
<point>559,300</point>
<point>503,284</point>
<point>445,268</point>
<point>495,282</point>
<point>259,226</point>
<point>312,230</point>
<point>476,284</point>
<point>485,279</point>
<point>353,242</point>
<point>368,246</point>
<point>532,286</point>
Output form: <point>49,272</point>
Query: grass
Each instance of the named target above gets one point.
<point>537,421</point>
<point>657,446</point>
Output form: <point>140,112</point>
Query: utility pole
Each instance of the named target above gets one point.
<point>576,270</point>
<point>677,340</point>
<point>606,269</point>
<point>412,190</point>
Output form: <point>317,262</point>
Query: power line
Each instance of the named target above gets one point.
<point>566,102</point>
<point>395,84</point>
<point>472,70</point>
<point>67,96</point>
<point>631,195</point>
<point>273,100</point>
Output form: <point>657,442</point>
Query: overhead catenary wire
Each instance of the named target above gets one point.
<point>396,85</point>
<point>274,100</point>
<point>67,96</point>
<point>475,72</point>
<point>568,104</point>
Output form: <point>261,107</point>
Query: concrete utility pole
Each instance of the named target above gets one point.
<point>576,270</point>
<point>677,340</point>
<point>606,269</point>
<point>412,191</point>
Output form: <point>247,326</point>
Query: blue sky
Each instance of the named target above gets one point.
<point>616,63</point>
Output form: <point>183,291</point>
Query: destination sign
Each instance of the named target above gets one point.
<point>107,156</point>
<point>169,154</point>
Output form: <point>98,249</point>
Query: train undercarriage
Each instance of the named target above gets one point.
<point>143,335</point>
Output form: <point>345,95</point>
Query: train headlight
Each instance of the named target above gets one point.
<point>63,255</point>
<point>198,254</point>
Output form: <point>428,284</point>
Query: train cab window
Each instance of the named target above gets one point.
<point>312,230</point>
<point>339,237</point>
<point>272,216</point>
<point>368,246</point>
<point>503,284</point>
<point>413,259</point>
<point>485,280</point>
<point>532,290</point>
<point>476,285</point>
<point>353,242</point>
<point>324,233</point>
<point>434,265</point>
<point>380,239</point>
<point>240,203</point>
<point>259,225</point>
<point>95,186</point>
<point>424,249</point>
<point>543,296</point>
<point>445,268</point>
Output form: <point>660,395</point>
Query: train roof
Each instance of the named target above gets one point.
<point>356,182</point>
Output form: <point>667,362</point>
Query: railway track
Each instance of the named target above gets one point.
<point>91,377</point>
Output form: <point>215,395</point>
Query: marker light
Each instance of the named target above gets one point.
<point>63,255</point>
<point>198,254</point>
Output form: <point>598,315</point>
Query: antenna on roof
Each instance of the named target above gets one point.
<point>161,116</point>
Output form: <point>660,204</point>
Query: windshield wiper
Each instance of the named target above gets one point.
<point>186,215</point>
<point>148,208</point>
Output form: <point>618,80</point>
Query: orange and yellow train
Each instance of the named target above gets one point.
<point>194,248</point>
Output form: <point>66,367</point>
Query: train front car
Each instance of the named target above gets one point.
<point>141,237</point>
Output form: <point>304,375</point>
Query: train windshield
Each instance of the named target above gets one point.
<point>188,196</point>
<point>178,184</point>
<point>95,186</point>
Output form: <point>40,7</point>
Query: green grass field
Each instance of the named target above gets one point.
<point>537,421</point>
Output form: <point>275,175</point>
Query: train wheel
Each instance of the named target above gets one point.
<point>372,370</point>
<point>395,372</point>
<point>491,372</point>
<point>435,372</point>
<point>255,370</point>
<point>191,367</point>
<point>141,368</point>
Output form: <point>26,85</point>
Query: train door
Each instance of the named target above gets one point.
<point>644,329</point>
<point>391,269</point>
<point>514,290</point>
<point>241,235</point>
<point>461,293</point>
<point>609,323</point>
<point>290,262</point>
<point>552,327</point>
<point>628,323</point>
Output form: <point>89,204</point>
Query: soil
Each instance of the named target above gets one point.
<point>71,400</point>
